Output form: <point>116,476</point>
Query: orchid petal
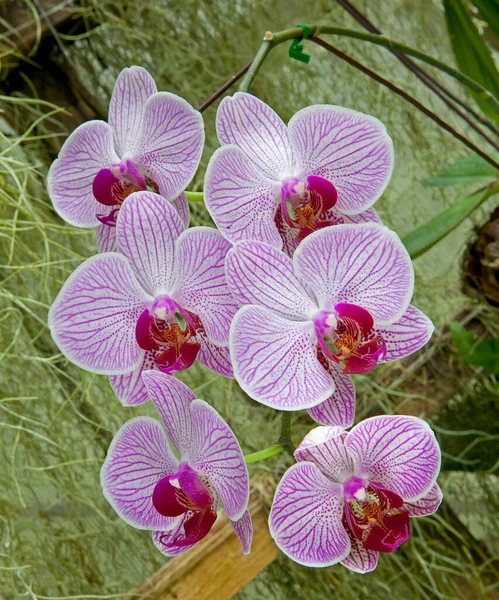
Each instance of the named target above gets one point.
<point>129,388</point>
<point>366,265</point>
<point>172,400</point>
<point>306,517</point>
<point>398,452</point>
<point>181,205</point>
<point>243,528</point>
<point>86,151</point>
<point>339,408</point>
<point>426,505</point>
<point>165,540</point>
<point>349,148</point>
<point>131,90</point>
<point>200,285</point>
<point>275,360</point>
<point>138,457</point>
<point>260,274</point>
<point>325,447</point>
<point>105,238</point>
<point>405,336</point>
<point>146,231</point>
<point>217,455</point>
<point>247,122</point>
<point>171,143</point>
<point>93,318</point>
<point>214,356</point>
<point>360,560</point>
<point>239,198</point>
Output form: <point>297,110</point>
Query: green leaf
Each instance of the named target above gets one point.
<point>472,169</point>
<point>480,354</point>
<point>472,55</point>
<point>423,238</point>
<point>489,12</point>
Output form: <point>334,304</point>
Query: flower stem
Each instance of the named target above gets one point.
<point>264,454</point>
<point>194,196</point>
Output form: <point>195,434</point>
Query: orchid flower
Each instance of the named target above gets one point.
<point>153,140</point>
<point>277,184</point>
<point>177,498</point>
<point>161,302</point>
<point>338,307</point>
<point>351,494</point>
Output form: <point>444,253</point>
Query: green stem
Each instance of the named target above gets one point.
<point>274,39</point>
<point>194,196</point>
<point>264,454</point>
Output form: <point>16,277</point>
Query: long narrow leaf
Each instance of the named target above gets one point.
<point>489,12</point>
<point>423,238</point>
<point>472,169</point>
<point>472,55</point>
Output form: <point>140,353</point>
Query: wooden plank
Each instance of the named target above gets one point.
<point>216,568</point>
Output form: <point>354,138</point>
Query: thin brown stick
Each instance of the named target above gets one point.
<point>436,87</point>
<point>406,96</point>
<point>225,87</point>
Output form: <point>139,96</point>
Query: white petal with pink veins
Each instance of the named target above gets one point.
<point>306,517</point>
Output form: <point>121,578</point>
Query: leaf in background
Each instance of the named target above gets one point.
<point>481,354</point>
<point>489,12</point>
<point>423,238</point>
<point>472,55</point>
<point>472,169</point>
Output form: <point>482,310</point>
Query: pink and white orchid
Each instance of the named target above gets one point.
<point>338,307</point>
<point>153,140</point>
<point>161,302</point>
<point>177,498</point>
<point>351,494</point>
<point>278,184</point>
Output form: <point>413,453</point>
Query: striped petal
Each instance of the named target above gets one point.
<point>171,144</point>
<point>426,505</point>
<point>148,227</point>
<point>275,360</point>
<point>131,90</point>
<point>217,455</point>
<point>306,517</point>
<point>260,274</point>
<point>398,452</point>
<point>86,151</point>
<point>105,238</point>
<point>93,318</point>
<point>405,336</point>
<point>240,199</point>
<point>200,284</point>
<point>247,122</point>
<point>360,560</point>
<point>350,149</point>
<point>244,531</point>
<point>366,265</point>
<point>138,457</point>
<point>172,400</point>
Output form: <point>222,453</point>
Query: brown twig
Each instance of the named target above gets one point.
<point>225,87</point>
<point>406,96</point>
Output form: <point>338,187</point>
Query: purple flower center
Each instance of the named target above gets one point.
<point>169,332</point>
<point>305,204</point>
<point>111,186</point>
<point>375,516</point>
<point>347,335</point>
<point>185,493</point>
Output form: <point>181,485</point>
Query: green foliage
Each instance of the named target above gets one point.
<point>471,169</point>
<point>481,354</point>
<point>489,12</point>
<point>472,55</point>
<point>423,238</point>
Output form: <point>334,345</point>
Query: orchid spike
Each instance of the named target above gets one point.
<point>162,303</point>
<point>278,184</point>
<point>153,141</point>
<point>351,494</point>
<point>338,307</point>
<point>177,498</point>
